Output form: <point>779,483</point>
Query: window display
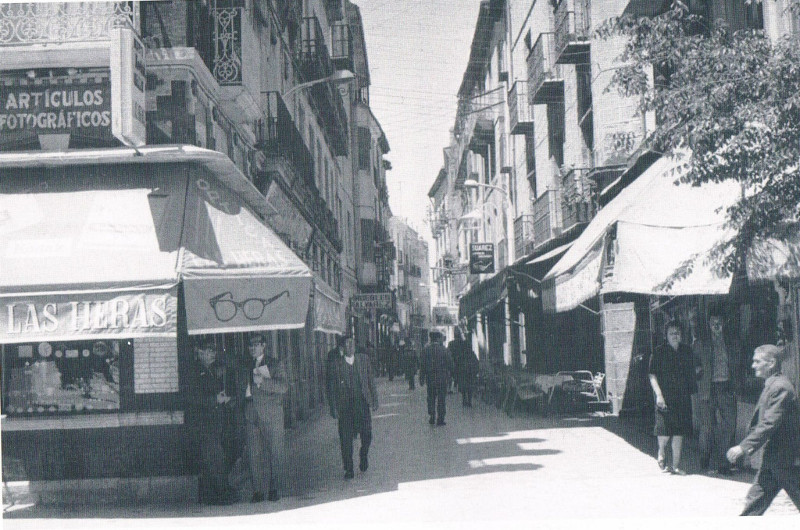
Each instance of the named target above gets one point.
<point>67,377</point>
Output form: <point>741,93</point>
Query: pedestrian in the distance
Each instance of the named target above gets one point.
<point>458,349</point>
<point>673,379</point>
<point>351,396</point>
<point>408,359</point>
<point>775,426</point>
<point>436,371</point>
<point>720,377</point>
<point>469,377</point>
<point>263,388</point>
<point>204,416</point>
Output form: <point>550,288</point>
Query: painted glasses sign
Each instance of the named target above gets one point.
<point>56,107</point>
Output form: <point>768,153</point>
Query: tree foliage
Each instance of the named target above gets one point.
<point>733,100</point>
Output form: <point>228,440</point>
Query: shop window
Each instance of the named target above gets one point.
<point>74,377</point>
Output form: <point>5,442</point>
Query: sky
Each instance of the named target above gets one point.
<point>417,52</point>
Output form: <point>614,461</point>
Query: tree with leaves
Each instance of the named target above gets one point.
<point>732,99</point>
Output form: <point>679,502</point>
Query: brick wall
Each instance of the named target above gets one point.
<point>155,365</point>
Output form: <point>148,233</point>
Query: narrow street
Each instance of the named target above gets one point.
<point>481,467</point>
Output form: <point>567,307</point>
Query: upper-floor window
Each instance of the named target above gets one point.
<point>364,144</point>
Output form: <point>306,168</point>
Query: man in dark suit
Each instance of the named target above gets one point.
<point>263,384</point>
<point>720,379</point>
<point>351,396</point>
<point>435,371</point>
<point>204,417</point>
<point>775,426</point>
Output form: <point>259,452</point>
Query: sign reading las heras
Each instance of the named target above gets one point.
<point>361,302</point>
<point>481,258</point>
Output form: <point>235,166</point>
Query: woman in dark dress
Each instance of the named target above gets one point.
<point>672,376</point>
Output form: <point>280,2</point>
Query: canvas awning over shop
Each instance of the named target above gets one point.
<point>659,225</point>
<point>483,295</point>
<point>95,242</point>
<point>329,310</point>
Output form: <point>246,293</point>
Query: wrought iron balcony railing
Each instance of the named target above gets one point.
<point>315,61</point>
<point>281,139</point>
<point>573,27</point>
<point>61,22</point>
<point>519,108</point>
<point>577,198</point>
<point>546,217</point>
<point>523,235</point>
<point>341,46</point>
<point>544,75</point>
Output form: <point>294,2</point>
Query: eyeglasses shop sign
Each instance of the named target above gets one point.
<point>99,315</point>
<point>56,107</point>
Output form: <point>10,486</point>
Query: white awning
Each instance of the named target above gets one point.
<point>549,255</point>
<point>653,203</point>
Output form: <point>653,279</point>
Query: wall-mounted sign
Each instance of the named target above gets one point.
<point>363,302</point>
<point>128,77</point>
<point>56,106</point>
<point>91,316</point>
<point>481,258</point>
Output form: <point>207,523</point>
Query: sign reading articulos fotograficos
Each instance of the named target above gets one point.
<point>57,106</point>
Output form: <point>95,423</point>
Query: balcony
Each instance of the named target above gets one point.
<point>341,46</point>
<point>546,213</point>
<point>573,23</point>
<point>519,109</point>
<point>544,75</point>
<point>315,63</point>
<point>523,235</point>
<point>280,139</point>
<point>577,201</point>
<point>62,22</point>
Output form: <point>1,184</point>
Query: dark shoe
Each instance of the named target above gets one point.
<point>440,422</point>
<point>273,495</point>
<point>258,497</point>
<point>432,420</point>
<point>363,465</point>
<point>349,474</point>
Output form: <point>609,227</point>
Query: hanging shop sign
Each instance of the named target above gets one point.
<point>128,76</point>
<point>481,258</point>
<point>368,301</point>
<point>57,106</point>
<point>90,315</point>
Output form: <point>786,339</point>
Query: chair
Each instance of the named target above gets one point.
<point>584,387</point>
<point>521,389</point>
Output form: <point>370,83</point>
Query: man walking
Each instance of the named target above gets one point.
<point>436,371</point>
<point>775,426</point>
<point>720,361</point>
<point>409,361</point>
<point>262,393</point>
<point>351,395</point>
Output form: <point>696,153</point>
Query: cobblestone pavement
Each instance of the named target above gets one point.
<point>482,469</point>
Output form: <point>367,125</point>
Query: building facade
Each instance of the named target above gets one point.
<point>409,283</point>
<point>279,87</point>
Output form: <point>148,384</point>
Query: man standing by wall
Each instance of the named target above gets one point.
<point>351,395</point>
<point>435,372</point>
<point>264,386</point>
<point>720,377</point>
<point>776,427</point>
<point>204,411</point>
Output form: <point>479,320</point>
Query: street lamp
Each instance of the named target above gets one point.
<point>339,76</point>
